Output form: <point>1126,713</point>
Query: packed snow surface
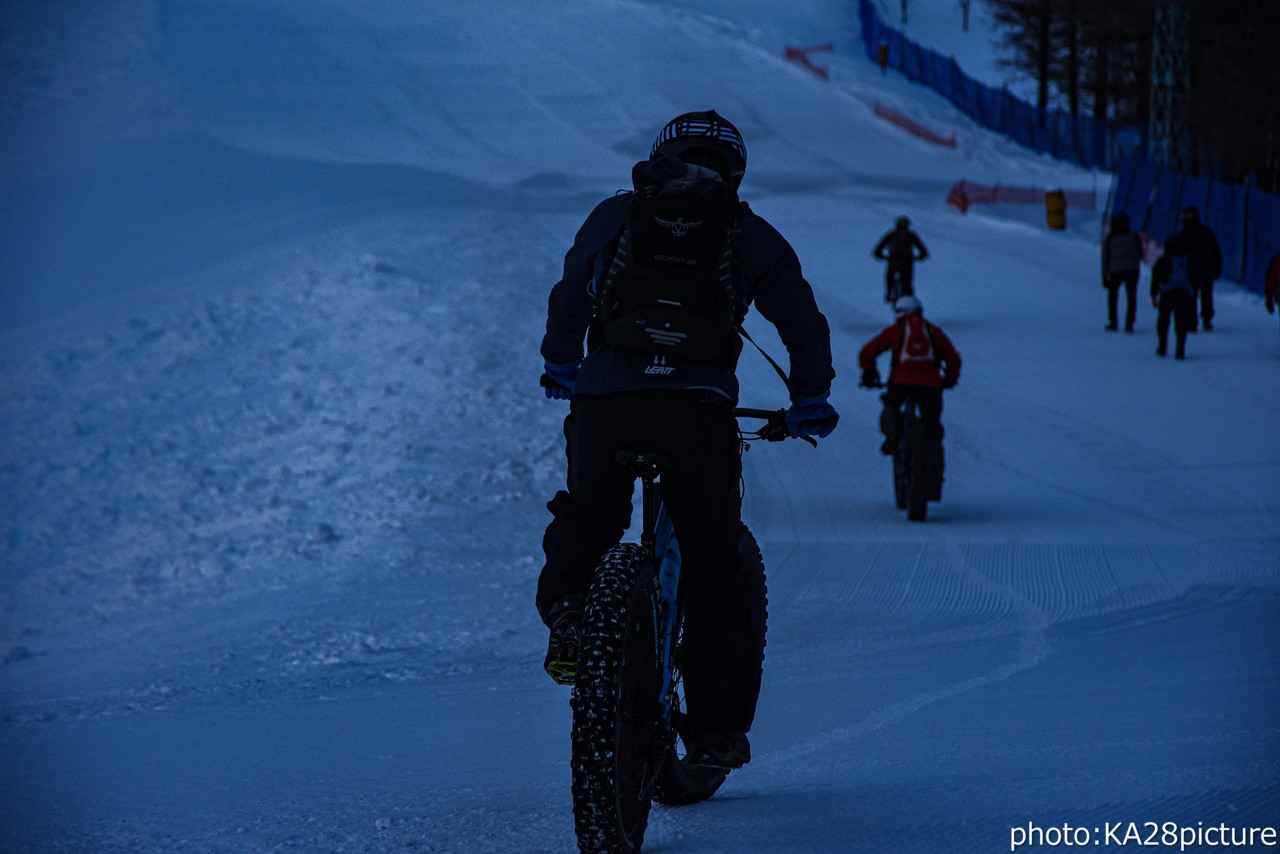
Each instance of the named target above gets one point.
<point>273,457</point>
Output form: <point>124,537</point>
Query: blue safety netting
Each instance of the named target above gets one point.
<point>1079,139</point>
<point>1245,219</point>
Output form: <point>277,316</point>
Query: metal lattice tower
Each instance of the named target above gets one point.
<point>1170,75</point>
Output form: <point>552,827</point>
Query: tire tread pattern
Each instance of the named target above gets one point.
<point>596,771</point>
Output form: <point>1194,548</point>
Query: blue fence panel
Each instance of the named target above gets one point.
<point>1069,138</point>
<point>1122,189</point>
<point>1094,140</point>
<point>1162,207</point>
<point>990,101</point>
<point>1019,121</point>
<point>1222,209</point>
<point>1246,220</point>
<point>1262,237</point>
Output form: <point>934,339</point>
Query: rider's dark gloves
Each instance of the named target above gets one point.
<point>949,382</point>
<point>870,379</point>
<point>812,417</point>
<point>558,380</point>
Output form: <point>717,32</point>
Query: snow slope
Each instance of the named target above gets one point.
<point>273,459</point>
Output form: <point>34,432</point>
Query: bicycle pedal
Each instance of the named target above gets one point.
<point>561,672</point>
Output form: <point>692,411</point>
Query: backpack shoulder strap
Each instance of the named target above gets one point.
<point>901,326</point>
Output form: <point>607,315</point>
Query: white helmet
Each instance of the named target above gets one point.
<point>906,305</point>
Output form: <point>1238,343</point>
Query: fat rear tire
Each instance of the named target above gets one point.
<point>680,783</point>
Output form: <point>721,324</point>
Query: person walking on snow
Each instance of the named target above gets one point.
<point>1173,296</point>
<point>923,362</point>
<point>627,394</point>
<point>1121,263</point>
<point>1204,264</point>
<point>901,248</point>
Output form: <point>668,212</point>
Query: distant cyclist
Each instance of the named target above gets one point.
<point>902,248</point>
<point>923,362</point>
<point>657,281</point>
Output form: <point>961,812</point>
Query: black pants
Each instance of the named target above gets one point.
<point>1181,307</point>
<point>696,430</point>
<point>1129,280</point>
<point>928,403</point>
<point>897,278</point>
<point>1204,292</point>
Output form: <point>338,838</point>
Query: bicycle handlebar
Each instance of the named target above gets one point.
<point>775,428</point>
<point>882,384</point>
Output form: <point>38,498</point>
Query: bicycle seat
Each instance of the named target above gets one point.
<point>642,464</point>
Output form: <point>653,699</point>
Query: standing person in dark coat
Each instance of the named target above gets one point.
<point>1173,295</point>
<point>901,247</point>
<point>1204,263</point>
<point>625,398</point>
<point>1121,263</point>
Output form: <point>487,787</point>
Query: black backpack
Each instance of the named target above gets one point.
<point>671,288</point>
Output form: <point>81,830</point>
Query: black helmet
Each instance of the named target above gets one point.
<point>707,139</point>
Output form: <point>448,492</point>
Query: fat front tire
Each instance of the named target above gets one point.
<point>617,749</point>
<point>680,783</point>
<point>900,478</point>
<point>919,475</point>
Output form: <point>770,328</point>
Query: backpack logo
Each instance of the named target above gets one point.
<point>917,344</point>
<point>670,288</point>
<point>678,228</point>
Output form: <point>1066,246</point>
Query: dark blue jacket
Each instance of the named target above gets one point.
<point>770,279</point>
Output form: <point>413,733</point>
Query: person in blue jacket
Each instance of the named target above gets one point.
<point>627,399</point>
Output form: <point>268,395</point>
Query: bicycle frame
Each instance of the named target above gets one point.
<point>910,414</point>
<point>658,537</point>
<point>625,739</point>
<point>668,557</point>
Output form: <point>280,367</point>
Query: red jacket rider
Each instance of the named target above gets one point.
<point>912,373</point>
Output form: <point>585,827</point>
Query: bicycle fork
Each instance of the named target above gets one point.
<point>657,537</point>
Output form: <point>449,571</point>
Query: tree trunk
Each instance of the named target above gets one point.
<point>1073,57</point>
<point>1102,78</point>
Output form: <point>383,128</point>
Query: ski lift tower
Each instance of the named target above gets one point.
<point>1170,75</point>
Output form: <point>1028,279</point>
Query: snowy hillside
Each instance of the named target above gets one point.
<point>273,458</point>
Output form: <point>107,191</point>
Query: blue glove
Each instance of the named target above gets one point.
<point>558,380</point>
<point>812,417</point>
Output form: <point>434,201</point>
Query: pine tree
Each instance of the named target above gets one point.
<point>1027,27</point>
<point>1102,48</point>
